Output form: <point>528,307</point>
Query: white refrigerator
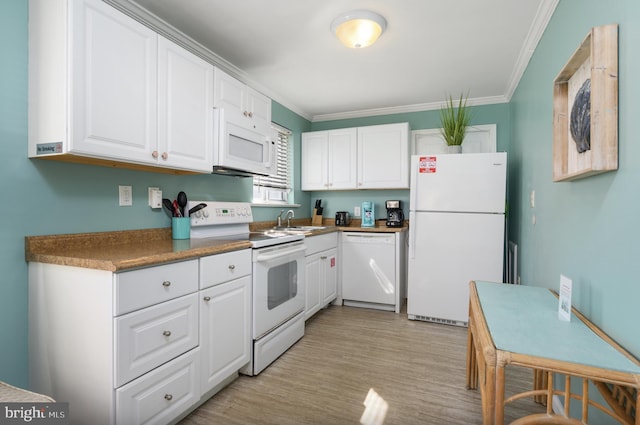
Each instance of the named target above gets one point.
<point>456,232</point>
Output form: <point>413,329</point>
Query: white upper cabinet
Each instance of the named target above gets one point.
<point>113,84</point>
<point>243,105</point>
<point>329,159</point>
<point>374,157</point>
<point>383,156</point>
<point>185,108</point>
<point>103,85</point>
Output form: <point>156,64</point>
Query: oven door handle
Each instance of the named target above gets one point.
<point>279,253</point>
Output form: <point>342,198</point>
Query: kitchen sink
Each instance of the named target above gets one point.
<point>296,229</point>
<point>274,233</point>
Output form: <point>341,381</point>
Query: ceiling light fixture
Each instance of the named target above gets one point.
<point>358,28</point>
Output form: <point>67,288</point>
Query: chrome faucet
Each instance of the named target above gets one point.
<point>289,216</point>
<point>279,219</point>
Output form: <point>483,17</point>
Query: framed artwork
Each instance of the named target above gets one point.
<point>585,108</point>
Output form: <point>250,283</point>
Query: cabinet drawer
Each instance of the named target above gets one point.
<point>147,338</point>
<point>220,268</point>
<point>144,287</point>
<point>321,242</point>
<point>161,395</point>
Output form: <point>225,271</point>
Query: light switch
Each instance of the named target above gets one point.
<point>532,199</point>
<point>125,196</point>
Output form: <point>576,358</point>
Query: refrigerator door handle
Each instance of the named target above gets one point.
<point>412,234</point>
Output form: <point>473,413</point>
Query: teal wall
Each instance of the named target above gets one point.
<point>345,200</point>
<point>49,197</point>
<point>586,229</point>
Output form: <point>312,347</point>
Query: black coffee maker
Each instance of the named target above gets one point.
<point>395,216</point>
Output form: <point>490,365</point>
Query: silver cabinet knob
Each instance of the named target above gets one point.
<point>232,267</point>
<point>166,333</point>
<point>168,397</point>
<point>154,154</point>
<point>165,155</point>
<point>207,298</point>
<point>166,283</point>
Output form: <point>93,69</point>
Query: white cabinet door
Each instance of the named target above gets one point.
<point>330,275</point>
<point>114,84</point>
<point>185,109</point>
<point>225,330</point>
<point>243,105</point>
<point>229,94</point>
<point>259,110</point>
<point>342,158</point>
<point>329,159</point>
<point>383,156</point>
<point>313,294</point>
<point>314,160</point>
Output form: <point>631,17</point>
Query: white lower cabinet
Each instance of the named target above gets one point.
<point>225,330</point>
<point>162,394</point>
<point>144,346</point>
<point>321,274</point>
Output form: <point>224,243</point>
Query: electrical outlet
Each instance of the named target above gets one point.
<point>356,211</point>
<point>125,196</point>
<point>155,197</point>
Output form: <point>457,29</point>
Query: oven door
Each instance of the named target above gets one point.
<point>278,285</point>
<point>240,148</point>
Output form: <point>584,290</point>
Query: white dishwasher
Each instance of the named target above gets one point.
<point>369,270</point>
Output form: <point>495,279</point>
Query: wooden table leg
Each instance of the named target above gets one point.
<point>472,362</point>
<point>499,391</point>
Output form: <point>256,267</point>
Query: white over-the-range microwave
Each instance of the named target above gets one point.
<point>240,150</point>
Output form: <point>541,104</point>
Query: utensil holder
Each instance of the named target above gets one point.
<point>181,227</point>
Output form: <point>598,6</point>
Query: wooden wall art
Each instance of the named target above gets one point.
<point>585,108</point>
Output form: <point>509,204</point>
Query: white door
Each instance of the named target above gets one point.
<point>185,109</point>
<point>230,95</point>
<point>314,160</point>
<point>446,251</point>
<point>369,267</point>
<point>259,110</point>
<point>383,156</point>
<point>313,292</point>
<point>459,182</point>
<point>330,275</point>
<point>114,84</point>
<point>225,330</point>
<point>342,161</point>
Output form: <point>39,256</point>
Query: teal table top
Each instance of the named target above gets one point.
<point>524,320</point>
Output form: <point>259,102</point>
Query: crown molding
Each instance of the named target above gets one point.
<point>420,107</point>
<point>541,20</point>
<point>538,26</point>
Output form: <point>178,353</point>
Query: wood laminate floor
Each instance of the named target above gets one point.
<point>417,367</point>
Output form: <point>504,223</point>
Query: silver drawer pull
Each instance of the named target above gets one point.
<point>324,257</point>
<point>166,283</point>
<point>231,267</point>
<point>207,298</point>
<point>166,333</point>
<point>168,397</point>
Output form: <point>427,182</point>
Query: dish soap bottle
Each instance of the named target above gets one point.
<point>368,214</point>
